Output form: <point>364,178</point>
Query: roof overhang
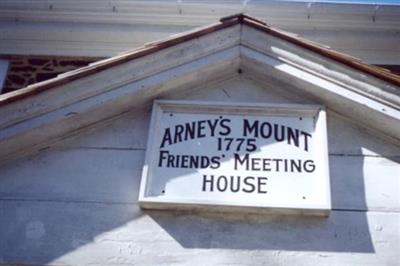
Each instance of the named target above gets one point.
<point>105,28</point>
<point>44,113</point>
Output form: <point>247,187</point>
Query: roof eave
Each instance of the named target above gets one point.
<point>377,72</point>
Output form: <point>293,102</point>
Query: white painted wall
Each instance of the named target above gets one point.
<point>76,203</point>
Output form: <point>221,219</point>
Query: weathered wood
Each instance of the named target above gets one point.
<point>59,114</point>
<point>375,114</point>
<point>75,203</point>
<point>122,74</point>
<point>48,128</point>
<point>112,175</point>
<point>94,175</point>
<point>116,133</point>
<point>60,233</point>
<point>323,51</point>
<point>346,137</point>
<point>130,130</point>
<point>365,183</point>
<point>316,62</point>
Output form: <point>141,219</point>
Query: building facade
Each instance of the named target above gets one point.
<point>73,153</point>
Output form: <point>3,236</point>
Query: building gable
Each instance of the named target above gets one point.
<point>238,44</point>
<point>76,202</point>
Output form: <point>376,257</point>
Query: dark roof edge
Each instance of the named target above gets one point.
<point>225,22</point>
<point>378,72</point>
<point>113,61</point>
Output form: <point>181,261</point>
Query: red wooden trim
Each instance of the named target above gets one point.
<point>395,69</point>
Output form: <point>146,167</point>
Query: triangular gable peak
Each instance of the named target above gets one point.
<point>43,113</point>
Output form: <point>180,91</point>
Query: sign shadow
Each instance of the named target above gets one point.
<point>345,230</point>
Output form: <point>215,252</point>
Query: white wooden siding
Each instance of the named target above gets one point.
<point>76,202</point>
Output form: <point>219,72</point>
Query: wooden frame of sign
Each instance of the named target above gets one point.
<point>229,156</point>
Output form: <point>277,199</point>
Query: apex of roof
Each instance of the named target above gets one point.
<point>46,112</point>
<point>240,18</point>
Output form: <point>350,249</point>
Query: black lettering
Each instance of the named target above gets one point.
<point>276,132</point>
<point>210,181</point>
<point>224,123</point>
<point>212,126</point>
<point>266,133</point>
<point>251,145</point>
<point>293,135</point>
<point>255,164</point>
<point>262,181</point>
<point>166,138</point>
<point>295,164</point>
<point>252,186</point>
<point>204,162</point>
<point>178,133</point>
<point>235,186</point>
<point>222,187</point>
<point>309,166</point>
<point>248,129</point>
<point>266,164</point>
<point>185,160</point>
<point>190,129</point>
<point>215,162</point>
<point>241,162</point>
<point>200,128</point>
<point>194,161</point>
<point>306,136</point>
<point>162,157</point>
<point>170,162</point>
<point>277,161</point>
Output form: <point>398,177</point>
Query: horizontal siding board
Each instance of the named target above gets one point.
<point>361,183</point>
<point>345,137</point>
<point>81,233</point>
<point>130,131</point>
<point>75,175</point>
<point>113,176</point>
<point>104,164</point>
<point>75,203</point>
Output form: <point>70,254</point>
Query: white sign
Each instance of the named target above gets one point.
<point>243,156</point>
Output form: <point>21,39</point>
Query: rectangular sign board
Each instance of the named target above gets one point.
<point>252,157</point>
